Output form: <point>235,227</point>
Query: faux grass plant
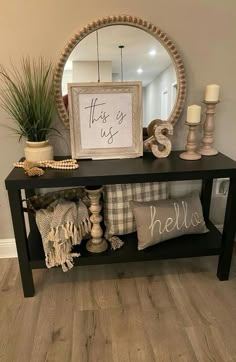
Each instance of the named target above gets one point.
<point>27,96</point>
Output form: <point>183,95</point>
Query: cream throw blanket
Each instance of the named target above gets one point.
<point>62,225</point>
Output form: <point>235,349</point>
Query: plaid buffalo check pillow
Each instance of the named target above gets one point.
<point>118,215</point>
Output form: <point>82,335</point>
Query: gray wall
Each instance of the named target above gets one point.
<point>203,30</point>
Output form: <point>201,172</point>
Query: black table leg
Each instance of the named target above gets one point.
<point>228,233</point>
<point>206,197</point>
<point>21,242</point>
<point>33,227</point>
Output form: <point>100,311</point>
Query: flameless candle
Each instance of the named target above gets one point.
<point>212,93</point>
<point>194,114</point>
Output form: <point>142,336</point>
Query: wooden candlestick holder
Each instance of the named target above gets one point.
<point>206,148</point>
<point>97,244</point>
<point>191,154</point>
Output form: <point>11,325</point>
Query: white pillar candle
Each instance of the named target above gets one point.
<point>194,114</point>
<point>212,93</point>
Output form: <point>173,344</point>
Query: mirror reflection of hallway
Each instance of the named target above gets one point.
<point>148,55</point>
<point>144,59</point>
<point>164,105</point>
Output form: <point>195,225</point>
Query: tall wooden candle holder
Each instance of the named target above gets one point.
<point>206,148</point>
<point>191,154</point>
<point>97,244</point>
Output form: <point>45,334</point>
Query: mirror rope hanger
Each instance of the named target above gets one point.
<point>121,61</point>
<point>98,61</point>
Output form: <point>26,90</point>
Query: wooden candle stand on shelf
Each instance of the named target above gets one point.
<point>191,153</point>
<point>207,148</point>
<point>97,244</point>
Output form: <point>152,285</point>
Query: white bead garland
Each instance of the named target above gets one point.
<point>68,164</point>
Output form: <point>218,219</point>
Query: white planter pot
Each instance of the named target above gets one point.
<point>38,151</point>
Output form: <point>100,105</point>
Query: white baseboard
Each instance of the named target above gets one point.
<point>8,248</point>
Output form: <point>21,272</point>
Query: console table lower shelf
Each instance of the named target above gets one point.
<point>181,247</point>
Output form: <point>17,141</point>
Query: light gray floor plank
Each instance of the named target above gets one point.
<point>172,310</point>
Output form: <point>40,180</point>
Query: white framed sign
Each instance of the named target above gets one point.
<point>105,120</point>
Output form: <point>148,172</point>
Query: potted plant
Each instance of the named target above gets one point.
<point>27,95</point>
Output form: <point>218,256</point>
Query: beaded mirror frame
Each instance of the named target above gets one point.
<point>154,30</point>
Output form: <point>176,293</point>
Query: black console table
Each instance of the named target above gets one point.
<point>146,169</point>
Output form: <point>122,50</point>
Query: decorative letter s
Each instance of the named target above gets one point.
<point>163,147</point>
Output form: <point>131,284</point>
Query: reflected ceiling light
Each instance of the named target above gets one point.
<point>139,70</point>
<point>152,52</point>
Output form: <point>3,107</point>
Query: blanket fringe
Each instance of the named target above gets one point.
<point>61,239</point>
<point>116,243</point>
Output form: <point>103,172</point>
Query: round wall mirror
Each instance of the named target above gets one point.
<point>123,48</point>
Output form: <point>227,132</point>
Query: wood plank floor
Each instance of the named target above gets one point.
<point>172,310</point>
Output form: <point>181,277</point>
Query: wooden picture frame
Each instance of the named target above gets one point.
<point>105,120</point>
